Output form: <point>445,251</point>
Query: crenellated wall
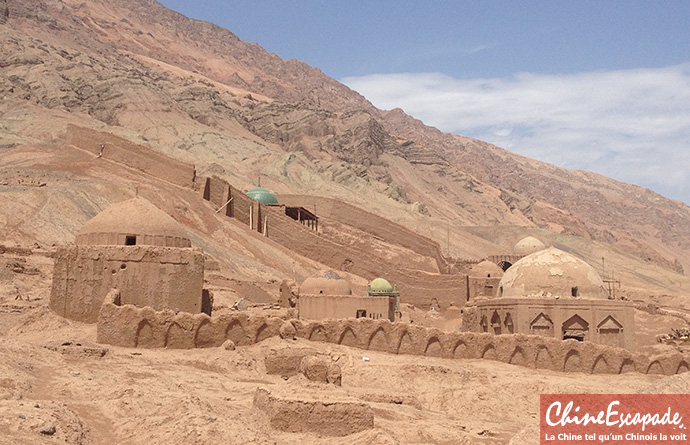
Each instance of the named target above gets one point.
<point>130,326</point>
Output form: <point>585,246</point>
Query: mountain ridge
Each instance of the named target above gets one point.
<point>197,92</point>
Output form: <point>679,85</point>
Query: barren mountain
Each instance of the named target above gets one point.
<point>395,198</point>
<point>196,91</point>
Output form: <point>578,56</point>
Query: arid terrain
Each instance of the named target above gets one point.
<point>394,197</point>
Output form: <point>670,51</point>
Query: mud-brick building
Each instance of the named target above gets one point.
<point>483,279</point>
<point>327,295</point>
<point>553,294</point>
<point>136,248</point>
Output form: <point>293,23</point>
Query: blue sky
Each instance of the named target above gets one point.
<point>595,85</point>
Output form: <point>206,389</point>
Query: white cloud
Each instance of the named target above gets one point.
<point>631,125</point>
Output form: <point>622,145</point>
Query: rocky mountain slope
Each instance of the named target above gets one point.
<point>197,92</point>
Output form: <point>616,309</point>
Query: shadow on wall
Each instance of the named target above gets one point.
<point>130,326</point>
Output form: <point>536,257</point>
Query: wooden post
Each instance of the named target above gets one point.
<point>221,207</point>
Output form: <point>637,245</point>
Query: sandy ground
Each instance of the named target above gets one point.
<point>53,372</point>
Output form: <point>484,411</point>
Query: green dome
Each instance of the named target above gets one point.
<point>380,285</point>
<point>262,195</point>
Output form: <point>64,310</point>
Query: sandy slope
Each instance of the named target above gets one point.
<point>54,373</point>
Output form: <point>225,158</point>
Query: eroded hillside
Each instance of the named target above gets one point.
<point>197,92</point>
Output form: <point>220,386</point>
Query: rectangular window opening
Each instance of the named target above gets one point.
<point>130,240</point>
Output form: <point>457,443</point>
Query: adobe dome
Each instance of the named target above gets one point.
<point>133,222</point>
<point>380,285</point>
<point>262,195</point>
<point>486,269</point>
<point>551,272</point>
<point>528,245</point>
<point>325,282</point>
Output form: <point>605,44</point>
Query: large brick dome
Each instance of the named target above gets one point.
<point>325,282</point>
<point>551,273</point>
<point>133,222</point>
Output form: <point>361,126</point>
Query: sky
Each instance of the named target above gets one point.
<point>599,85</point>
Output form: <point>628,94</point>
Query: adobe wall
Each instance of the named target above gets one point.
<point>333,418</point>
<point>319,307</point>
<point>119,239</point>
<point>132,155</point>
<point>370,223</point>
<point>218,192</point>
<point>130,326</point>
<point>415,287</point>
<point>161,277</point>
<point>524,310</point>
<point>482,287</point>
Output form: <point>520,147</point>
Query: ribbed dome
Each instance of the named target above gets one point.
<point>133,222</point>
<point>551,273</point>
<point>486,269</point>
<point>262,195</point>
<point>528,245</point>
<point>380,285</point>
<point>325,282</point>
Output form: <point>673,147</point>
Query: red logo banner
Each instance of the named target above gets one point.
<point>638,419</point>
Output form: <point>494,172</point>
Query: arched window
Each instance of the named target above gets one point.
<point>496,323</point>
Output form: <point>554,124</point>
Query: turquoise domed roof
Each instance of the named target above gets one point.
<point>380,285</point>
<point>262,195</point>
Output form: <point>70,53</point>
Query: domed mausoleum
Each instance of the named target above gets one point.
<point>551,273</point>
<point>264,196</point>
<point>381,286</point>
<point>528,246</point>
<point>482,280</point>
<point>554,294</point>
<point>327,295</point>
<point>325,282</point>
<point>134,247</point>
<point>130,223</point>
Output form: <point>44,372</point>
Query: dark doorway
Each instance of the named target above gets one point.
<point>575,328</point>
<point>505,265</point>
<point>578,337</point>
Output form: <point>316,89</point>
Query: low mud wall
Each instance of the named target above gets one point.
<point>324,418</point>
<point>130,326</point>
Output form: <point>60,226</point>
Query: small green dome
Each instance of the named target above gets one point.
<point>380,285</point>
<point>262,195</point>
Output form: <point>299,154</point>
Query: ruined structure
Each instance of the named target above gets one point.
<point>136,248</point>
<point>327,295</point>
<point>129,326</point>
<point>528,246</point>
<point>419,286</point>
<point>553,294</point>
<point>483,279</point>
